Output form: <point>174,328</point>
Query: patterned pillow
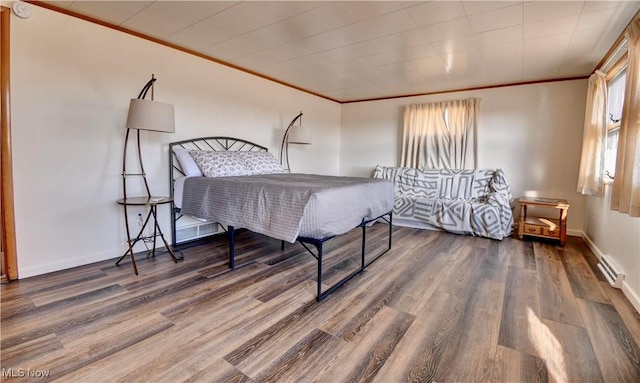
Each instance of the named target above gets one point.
<point>219,164</point>
<point>261,163</point>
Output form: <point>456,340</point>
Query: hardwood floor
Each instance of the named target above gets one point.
<point>438,307</point>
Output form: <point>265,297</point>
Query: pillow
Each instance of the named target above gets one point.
<point>188,165</point>
<point>261,163</point>
<point>219,164</point>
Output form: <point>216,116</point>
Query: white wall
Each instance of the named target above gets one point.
<point>618,236</point>
<point>71,82</point>
<point>532,132</point>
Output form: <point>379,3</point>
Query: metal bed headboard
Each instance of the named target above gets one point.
<point>216,144</point>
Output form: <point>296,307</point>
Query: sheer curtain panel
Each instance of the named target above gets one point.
<point>590,178</point>
<point>440,135</point>
<point>625,196</point>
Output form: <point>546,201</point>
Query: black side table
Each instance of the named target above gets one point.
<point>152,203</point>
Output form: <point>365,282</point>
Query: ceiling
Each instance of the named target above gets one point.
<point>358,50</point>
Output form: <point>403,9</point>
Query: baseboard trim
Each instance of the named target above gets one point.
<point>626,290</point>
<point>27,272</point>
<point>575,233</point>
<point>592,246</point>
<point>633,297</point>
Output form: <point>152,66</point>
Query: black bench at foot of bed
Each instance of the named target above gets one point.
<point>318,243</point>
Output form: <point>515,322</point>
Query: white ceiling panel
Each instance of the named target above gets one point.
<point>608,17</point>
<point>111,11</point>
<point>418,52</point>
<point>200,36</point>
<point>550,27</point>
<point>246,17</point>
<point>435,12</point>
<point>383,44</point>
<point>598,5</point>
<point>352,50</point>
<point>497,18</point>
<point>508,53</point>
<point>499,36</point>
<point>176,18</point>
<point>447,29</point>
<point>150,27</point>
<point>231,49</point>
<point>370,9</point>
<point>475,7</point>
<point>455,44</point>
<point>546,10</point>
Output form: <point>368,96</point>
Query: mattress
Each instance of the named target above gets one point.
<point>288,205</point>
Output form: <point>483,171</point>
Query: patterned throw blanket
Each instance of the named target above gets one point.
<point>285,206</point>
<point>476,202</point>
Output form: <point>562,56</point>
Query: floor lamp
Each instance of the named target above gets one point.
<point>145,115</point>
<point>153,116</point>
<point>295,134</point>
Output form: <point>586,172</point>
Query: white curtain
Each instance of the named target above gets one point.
<point>625,196</point>
<point>440,135</point>
<point>590,178</point>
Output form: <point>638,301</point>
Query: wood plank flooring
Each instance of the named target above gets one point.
<point>437,307</point>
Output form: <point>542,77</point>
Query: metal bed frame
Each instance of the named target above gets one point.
<point>215,143</point>
<point>318,244</point>
<point>234,144</point>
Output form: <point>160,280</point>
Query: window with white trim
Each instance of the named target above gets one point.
<point>615,100</point>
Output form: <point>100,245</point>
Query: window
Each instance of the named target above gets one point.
<point>440,135</point>
<point>615,100</point>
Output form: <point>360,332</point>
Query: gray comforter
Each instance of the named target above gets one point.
<point>285,206</point>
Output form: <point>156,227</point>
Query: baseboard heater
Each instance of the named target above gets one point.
<point>611,272</point>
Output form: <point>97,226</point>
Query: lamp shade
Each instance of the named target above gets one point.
<point>299,135</point>
<point>151,115</point>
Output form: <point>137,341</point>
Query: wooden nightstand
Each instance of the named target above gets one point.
<point>544,227</point>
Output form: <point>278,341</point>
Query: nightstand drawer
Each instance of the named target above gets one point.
<point>532,229</point>
<point>551,233</point>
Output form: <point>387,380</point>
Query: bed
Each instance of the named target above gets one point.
<point>238,184</point>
